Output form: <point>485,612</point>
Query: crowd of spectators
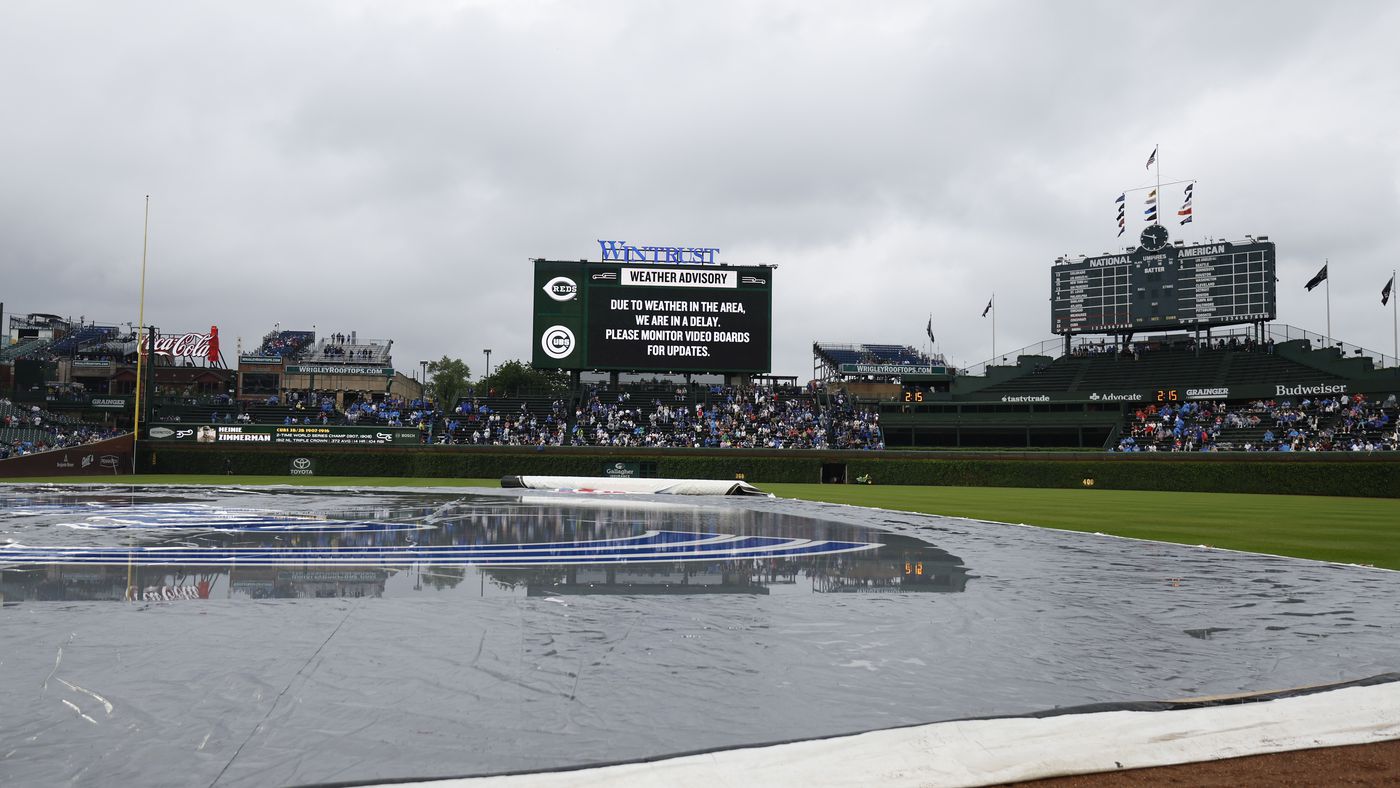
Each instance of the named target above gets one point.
<point>1344,423</point>
<point>34,430</point>
<point>1233,342</point>
<point>283,344</point>
<point>757,417</point>
<point>476,422</point>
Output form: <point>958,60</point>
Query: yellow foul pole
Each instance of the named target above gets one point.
<point>140,334</point>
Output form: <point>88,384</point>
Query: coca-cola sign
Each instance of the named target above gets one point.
<point>180,345</point>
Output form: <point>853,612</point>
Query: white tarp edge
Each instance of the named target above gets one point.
<point>605,484</point>
<point>989,752</point>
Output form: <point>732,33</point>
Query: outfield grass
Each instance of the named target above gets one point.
<point>1349,530</point>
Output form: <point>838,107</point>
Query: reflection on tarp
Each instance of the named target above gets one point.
<point>136,549</point>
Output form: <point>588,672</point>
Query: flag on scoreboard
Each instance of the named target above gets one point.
<point>1152,197</point>
<point>1152,158</point>
<point>1184,211</point>
<point>1318,279</point>
<point>1187,220</point>
<point>1385,291</point>
<point>989,306</point>
<point>928,329</point>
<point>1150,214</point>
<point>1122,197</point>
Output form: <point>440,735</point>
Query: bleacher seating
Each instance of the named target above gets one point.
<point>834,354</point>
<point>331,352</point>
<point>1346,423</point>
<point>24,348</point>
<point>285,344</point>
<point>86,336</point>
<point>1182,368</point>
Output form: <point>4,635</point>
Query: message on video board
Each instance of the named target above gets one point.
<point>653,318</point>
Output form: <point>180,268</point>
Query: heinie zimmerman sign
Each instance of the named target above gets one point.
<point>328,434</point>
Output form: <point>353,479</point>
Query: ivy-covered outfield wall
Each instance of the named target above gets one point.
<point>1341,473</point>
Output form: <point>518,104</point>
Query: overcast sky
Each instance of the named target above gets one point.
<point>392,168</point>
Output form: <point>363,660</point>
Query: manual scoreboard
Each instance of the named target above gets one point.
<point>653,317</point>
<point>1204,285</point>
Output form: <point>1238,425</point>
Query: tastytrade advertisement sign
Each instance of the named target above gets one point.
<point>671,318</point>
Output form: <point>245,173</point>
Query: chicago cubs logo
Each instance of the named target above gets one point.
<point>557,342</point>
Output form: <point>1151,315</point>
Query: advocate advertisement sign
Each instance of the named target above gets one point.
<point>301,434</point>
<point>663,318</point>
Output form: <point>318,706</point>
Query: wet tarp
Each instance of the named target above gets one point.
<point>166,674</point>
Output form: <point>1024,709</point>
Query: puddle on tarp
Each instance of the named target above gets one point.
<point>249,637</point>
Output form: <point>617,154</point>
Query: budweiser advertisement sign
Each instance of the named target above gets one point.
<point>189,345</point>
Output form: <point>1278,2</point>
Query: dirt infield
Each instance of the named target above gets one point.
<point>1362,764</point>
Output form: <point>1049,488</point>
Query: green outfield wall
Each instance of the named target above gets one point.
<point>1338,473</point>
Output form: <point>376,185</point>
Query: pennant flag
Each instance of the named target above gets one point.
<point>1189,186</point>
<point>1122,197</point>
<point>1152,158</point>
<point>1120,230</point>
<point>1187,220</point>
<point>929,328</point>
<point>1385,292</point>
<point>1152,210</point>
<point>1152,193</point>
<point>1151,216</point>
<point>1318,279</point>
<point>1184,211</point>
<point>989,307</point>
<point>1151,201</point>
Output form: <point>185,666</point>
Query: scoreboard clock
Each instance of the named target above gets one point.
<point>916,393</point>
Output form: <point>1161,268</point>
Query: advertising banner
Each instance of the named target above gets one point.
<point>303,434</point>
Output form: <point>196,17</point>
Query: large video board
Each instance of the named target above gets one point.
<point>1212,284</point>
<point>653,318</point>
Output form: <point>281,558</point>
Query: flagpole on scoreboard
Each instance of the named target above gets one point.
<point>140,333</point>
<point>1327,266</point>
<point>1156,149</point>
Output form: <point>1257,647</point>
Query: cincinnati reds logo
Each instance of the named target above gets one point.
<point>561,288</point>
